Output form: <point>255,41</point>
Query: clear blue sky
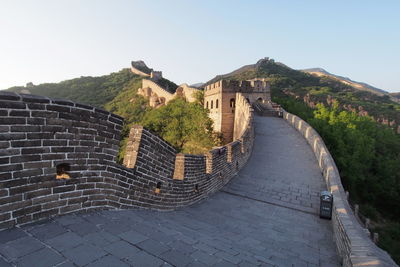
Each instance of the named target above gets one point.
<point>192,41</point>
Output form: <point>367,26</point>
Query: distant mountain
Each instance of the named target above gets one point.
<point>197,85</point>
<point>358,85</point>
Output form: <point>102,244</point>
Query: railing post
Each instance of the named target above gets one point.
<point>376,238</point>
<point>367,223</point>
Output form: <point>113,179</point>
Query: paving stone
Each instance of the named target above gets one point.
<point>121,249</point>
<point>153,247</point>
<point>143,258</point>
<point>108,261</point>
<point>3,263</point>
<point>133,237</point>
<point>83,228</point>
<point>204,257</point>
<point>65,241</point>
<point>11,234</point>
<point>43,258</point>
<point>223,263</point>
<point>182,247</point>
<point>227,257</point>
<point>47,231</point>
<point>101,238</point>
<point>69,219</point>
<point>84,254</point>
<point>66,264</point>
<point>176,258</point>
<point>115,228</point>
<point>20,247</point>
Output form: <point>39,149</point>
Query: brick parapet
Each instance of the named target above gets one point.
<point>38,133</point>
<point>354,246</point>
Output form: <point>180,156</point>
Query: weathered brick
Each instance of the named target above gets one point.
<point>45,199</point>
<point>45,214</point>
<point>10,167</point>
<point>35,121</point>
<point>27,143</point>
<point>36,106</point>
<point>9,152</point>
<point>25,158</point>
<point>27,173</point>
<point>10,199</point>
<point>70,208</point>
<point>24,219</point>
<point>19,113</point>
<point>21,188</point>
<point>27,210</point>
<point>5,160</point>
<point>62,189</point>
<point>55,142</point>
<point>38,193</point>
<point>44,114</point>
<point>54,204</point>
<point>36,150</point>
<point>34,98</point>
<point>12,136</point>
<point>70,194</point>
<point>4,144</point>
<point>62,149</point>
<point>5,176</point>
<point>5,95</point>
<point>37,165</point>
<point>12,105</point>
<point>5,216</point>
<point>58,108</point>
<point>53,156</point>
<point>40,135</point>
<point>72,201</point>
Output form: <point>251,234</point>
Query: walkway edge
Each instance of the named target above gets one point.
<point>353,245</point>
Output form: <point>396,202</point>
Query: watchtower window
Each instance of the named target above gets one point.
<point>232,103</point>
<point>207,104</point>
<point>211,104</point>
<point>63,171</point>
<point>216,103</point>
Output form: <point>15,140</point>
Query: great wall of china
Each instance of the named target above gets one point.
<point>42,138</point>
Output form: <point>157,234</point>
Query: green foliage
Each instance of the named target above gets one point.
<point>389,239</point>
<point>368,157</point>
<point>199,96</point>
<point>96,91</point>
<point>131,106</point>
<point>186,126</point>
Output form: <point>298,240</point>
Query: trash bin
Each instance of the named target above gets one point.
<point>326,205</point>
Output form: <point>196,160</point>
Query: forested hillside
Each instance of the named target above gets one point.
<point>96,91</point>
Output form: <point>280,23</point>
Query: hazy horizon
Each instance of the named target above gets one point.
<point>191,42</point>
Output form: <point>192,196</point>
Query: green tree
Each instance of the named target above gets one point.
<point>186,126</point>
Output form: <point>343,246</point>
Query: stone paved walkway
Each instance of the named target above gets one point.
<point>266,216</point>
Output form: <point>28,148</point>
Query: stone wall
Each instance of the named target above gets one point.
<point>139,72</point>
<point>38,134</point>
<point>354,246</point>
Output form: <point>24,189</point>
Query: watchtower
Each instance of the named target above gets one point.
<point>220,100</point>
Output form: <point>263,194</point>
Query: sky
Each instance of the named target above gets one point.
<point>193,41</point>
